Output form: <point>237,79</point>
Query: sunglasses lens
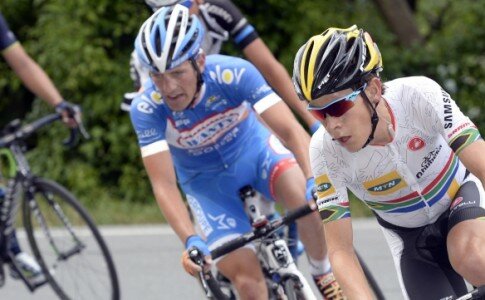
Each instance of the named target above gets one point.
<point>318,114</point>
<point>335,110</point>
<point>339,108</point>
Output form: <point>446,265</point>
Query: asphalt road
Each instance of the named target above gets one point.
<point>148,264</point>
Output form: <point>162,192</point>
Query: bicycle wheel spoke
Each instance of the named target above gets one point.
<point>70,247</point>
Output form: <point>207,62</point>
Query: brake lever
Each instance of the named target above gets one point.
<point>79,122</point>
<point>72,140</point>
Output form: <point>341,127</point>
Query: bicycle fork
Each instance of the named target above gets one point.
<point>275,254</point>
<point>277,257</point>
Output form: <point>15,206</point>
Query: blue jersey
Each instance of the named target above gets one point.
<point>7,37</point>
<point>215,131</point>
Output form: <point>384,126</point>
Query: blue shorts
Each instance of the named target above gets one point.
<point>214,196</point>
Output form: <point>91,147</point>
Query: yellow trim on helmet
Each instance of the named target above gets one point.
<point>316,41</point>
<point>354,33</point>
<point>307,81</point>
<point>375,55</point>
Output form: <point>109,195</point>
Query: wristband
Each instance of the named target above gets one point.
<point>310,193</point>
<point>314,127</point>
<point>197,242</point>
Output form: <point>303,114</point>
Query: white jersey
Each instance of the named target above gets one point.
<point>409,182</point>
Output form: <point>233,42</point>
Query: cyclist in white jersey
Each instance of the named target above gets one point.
<point>223,22</point>
<point>406,150</point>
<point>197,126</point>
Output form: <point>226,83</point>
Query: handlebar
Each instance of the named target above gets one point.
<point>264,230</point>
<point>208,282</point>
<point>28,129</point>
<point>478,293</point>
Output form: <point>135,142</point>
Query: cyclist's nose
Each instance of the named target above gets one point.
<point>331,123</point>
<point>166,85</point>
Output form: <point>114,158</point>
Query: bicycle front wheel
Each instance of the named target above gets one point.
<point>370,279</point>
<point>67,244</point>
<point>294,289</point>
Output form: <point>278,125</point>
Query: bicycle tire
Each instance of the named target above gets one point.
<point>292,287</point>
<point>73,269</point>
<point>218,293</point>
<point>370,278</point>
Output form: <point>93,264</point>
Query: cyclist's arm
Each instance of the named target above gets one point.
<point>472,158</point>
<point>159,167</point>
<point>280,119</point>
<point>277,76</point>
<point>345,265</point>
<point>31,74</point>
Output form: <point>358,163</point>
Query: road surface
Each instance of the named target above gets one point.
<point>148,264</point>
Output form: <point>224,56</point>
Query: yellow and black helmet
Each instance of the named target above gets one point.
<point>333,61</point>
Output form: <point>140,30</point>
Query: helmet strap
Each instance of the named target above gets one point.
<point>374,119</point>
<point>200,80</point>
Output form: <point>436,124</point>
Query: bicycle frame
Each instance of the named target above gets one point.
<point>21,178</point>
<point>276,261</point>
<point>275,257</point>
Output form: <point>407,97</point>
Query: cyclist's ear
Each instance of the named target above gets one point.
<point>374,89</point>
<point>200,60</point>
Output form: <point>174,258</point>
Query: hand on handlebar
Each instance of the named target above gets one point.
<point>72,117</point>
<point>71,113</point>
<point>196,255</point>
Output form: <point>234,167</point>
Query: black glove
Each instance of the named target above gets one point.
<point>71,113</point>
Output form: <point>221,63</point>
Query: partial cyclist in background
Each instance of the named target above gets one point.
<point>38,82</point>
<point>196,124</point>
<point>222,20</point>
<point>406,150</point>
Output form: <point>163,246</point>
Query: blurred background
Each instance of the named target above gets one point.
<point>85,46</point>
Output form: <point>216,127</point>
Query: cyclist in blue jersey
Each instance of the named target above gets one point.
<point>197,126</point>
<point>223,21</point>
<point>406,150</point>
<point>37,81</point>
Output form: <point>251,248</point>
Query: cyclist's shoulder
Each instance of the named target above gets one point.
<point>146,103</point>
<point>221,60</point>
<point>224,11</point>
<point>413,85</point>
<point>412,82</point>
<point>229,69</point>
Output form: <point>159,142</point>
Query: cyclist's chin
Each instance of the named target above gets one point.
<point>178,104</point>
<point>352,144</point>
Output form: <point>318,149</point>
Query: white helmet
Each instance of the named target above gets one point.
<point>156,4</point>
<point>168,38</point>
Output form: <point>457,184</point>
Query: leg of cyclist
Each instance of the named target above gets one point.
<point>26,263</point>
<point>284,181</point>
<point>466,237</point>
<point>221,220</point>
<point>421,261</point>
<point>466,244</point>
<point>290,189</point>
<point>242,268</point>
<point>214,199</point>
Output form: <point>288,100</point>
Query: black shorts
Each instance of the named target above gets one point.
<point>420,254</point>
